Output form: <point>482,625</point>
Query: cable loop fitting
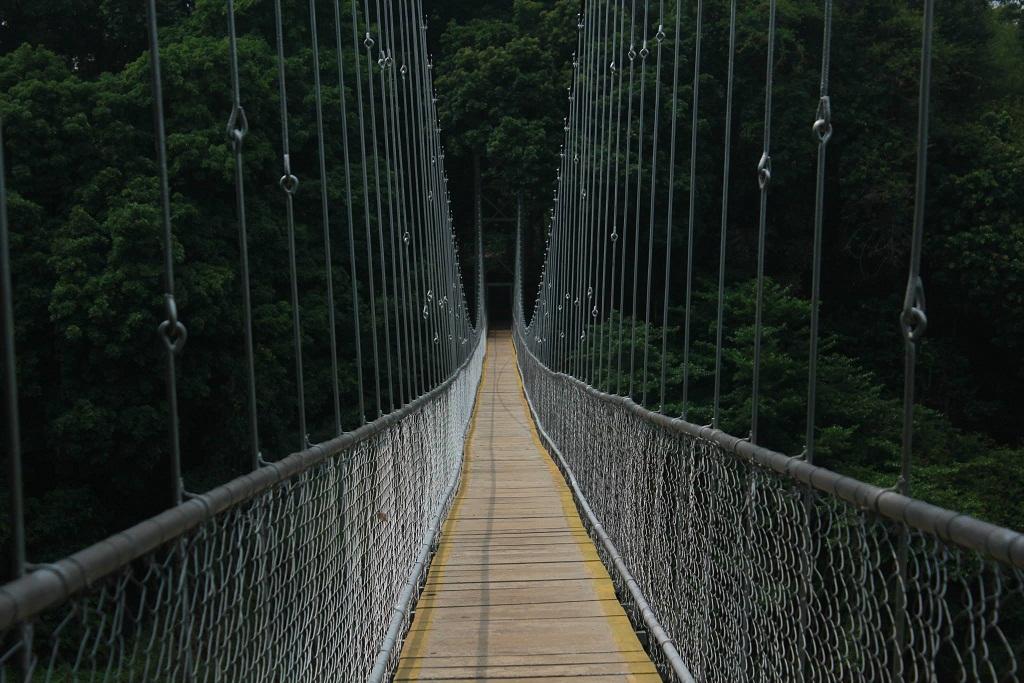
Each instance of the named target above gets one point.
<point>238,126</point>
<point>289,183</point>
<point>764,171</point>
<point>823,124</point>
<point>172,331</point>
<point>913,319</point>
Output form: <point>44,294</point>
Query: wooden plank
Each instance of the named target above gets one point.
<point>516,591</point>
<point>633,670</point>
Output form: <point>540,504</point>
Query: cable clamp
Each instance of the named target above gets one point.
<point>289,183</point>
<point>238,126</point>
<point>823,123</point>
<point>913,320</point>
<point>764,171</point>
<point>172,331</point>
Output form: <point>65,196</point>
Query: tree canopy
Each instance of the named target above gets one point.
<point>83,205</point>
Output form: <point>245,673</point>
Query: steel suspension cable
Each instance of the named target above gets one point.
<point>572,254</point>
<point>368,44</point>
<point>913,323</point>
<point>290,183</point>
<point>586,197</point>
<point>616,68</point>
<point>442,225</point>
<point>408,317</point>
<point>727,158</point>
<point>584,288</point>
<point>422,191</point>
<point>438,198</point>
<point>643,54</point>
<point>607,188</point>
<point>548,284</point>
<point>325,212</point>
<point>386,63</point>
<point>599,241</point>
<point>430,226</point>
<point>173,333</point>
<point>604,189</point>
<point>571,258</point>
<point>414,217</point>
<point>659,38</point>
<point>581,159</point>
<point>913,317</point>
<point>15,483</point>
<point>371,97</point>
<point>764,176</point>
<point>676,39</point>
<point>550,292</point>
<point>561,218</point>
<point>564,270</point>
<point>631,55</point>
<point>426,274</point>
<point>354,279</point>
<point>237,128</point>
<point>823,132</point>
<point>691,222</point>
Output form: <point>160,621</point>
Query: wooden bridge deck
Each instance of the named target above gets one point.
<point>516,591</point>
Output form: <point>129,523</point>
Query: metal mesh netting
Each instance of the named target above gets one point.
<point>298,582</point>
<point>759,576</point>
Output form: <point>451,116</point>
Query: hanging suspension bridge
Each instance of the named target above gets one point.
<point>512,504</point>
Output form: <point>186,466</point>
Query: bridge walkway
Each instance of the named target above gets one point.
<point>516,591</point>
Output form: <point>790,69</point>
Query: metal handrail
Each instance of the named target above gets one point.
<point>52,584</point>
<point>999,543</point>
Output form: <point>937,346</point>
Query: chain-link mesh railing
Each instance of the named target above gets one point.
<point>762,567</point>
<point>291,573</point>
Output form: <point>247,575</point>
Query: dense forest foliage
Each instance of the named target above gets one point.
<point>968,450</point>
<point>83,203</point>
